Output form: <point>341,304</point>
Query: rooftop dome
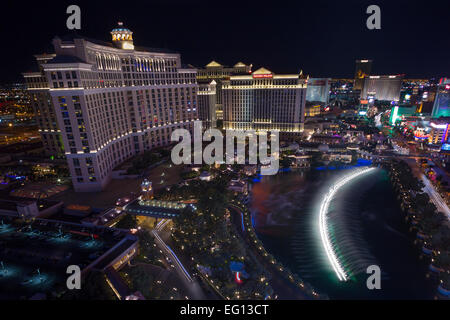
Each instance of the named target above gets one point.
<point>120,28</point>
<point>122,37</point>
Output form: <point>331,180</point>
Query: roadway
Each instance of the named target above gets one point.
<point>435,197</point>
<point>429,188</point>
<point>191,284</point>
<point>282,287</point>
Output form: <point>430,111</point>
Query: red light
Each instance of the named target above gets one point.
<point>269,75</point>
<point>238,277</point>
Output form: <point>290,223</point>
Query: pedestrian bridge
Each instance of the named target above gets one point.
<point>157,208</point>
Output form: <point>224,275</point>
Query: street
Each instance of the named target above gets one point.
<point>282,287</point>
<point>191,284</point>
<point>429,188</point>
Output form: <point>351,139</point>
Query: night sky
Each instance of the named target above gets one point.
<point>322,37</point>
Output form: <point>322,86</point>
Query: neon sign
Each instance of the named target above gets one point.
<point>267,75</point>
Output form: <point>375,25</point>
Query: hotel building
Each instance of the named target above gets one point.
<point>207,100</point>
<point>216,72</point>
<point>439,133</point>
<point>382,88</point>
<point>113,101</point>
<point>264,101</point>
<point>362,70</point>
<point>441,107</point>
<point>44,111</point>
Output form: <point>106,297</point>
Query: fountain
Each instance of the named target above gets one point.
<point>341,244</point>
<point>364,223</point>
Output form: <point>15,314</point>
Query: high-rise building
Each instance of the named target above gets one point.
<point>439,133</point>
<point>207,99</point>
<point>441,107</point>
<point>42,103</point>
<point>264,101</point>
<point>112,101</point>
<point>382,88</point>
<point>318,90</point>
<point>217,72</point>
<point>363,69</point>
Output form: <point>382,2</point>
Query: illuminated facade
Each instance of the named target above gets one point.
<point>122,37</point>
<point>312,110</point>
<point>264,101</point>
<point>399,112</point>
<point>44,111</point>
<point>441,107</point>
<point>382,88</point>
<point>439,132</point>
<point>216,72</point>
<point>207,100</point>
<point>363,69</point>
<point>421,134</point>
<point>112,102</point>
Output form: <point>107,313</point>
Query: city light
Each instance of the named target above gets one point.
<point>161,174</point>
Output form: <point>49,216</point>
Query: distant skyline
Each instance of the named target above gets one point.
<point>323,37</point>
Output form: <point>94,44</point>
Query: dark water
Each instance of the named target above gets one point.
<point>367,225</point>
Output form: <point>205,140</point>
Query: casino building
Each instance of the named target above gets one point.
<point>382,88</point>
<point>362,70</point>
<point>217,72</point>
<point>110,101</point>
<point>207,101</point>
<point>42,104</point>
<point>265,101</point>
<point>441,107</point>
<point>439,133</point>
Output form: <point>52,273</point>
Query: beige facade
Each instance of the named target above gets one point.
<point>44,111</point>
<point>216,72</point>
<point>207,99</point>
<point>112,102</point>
<point>264,101</point>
